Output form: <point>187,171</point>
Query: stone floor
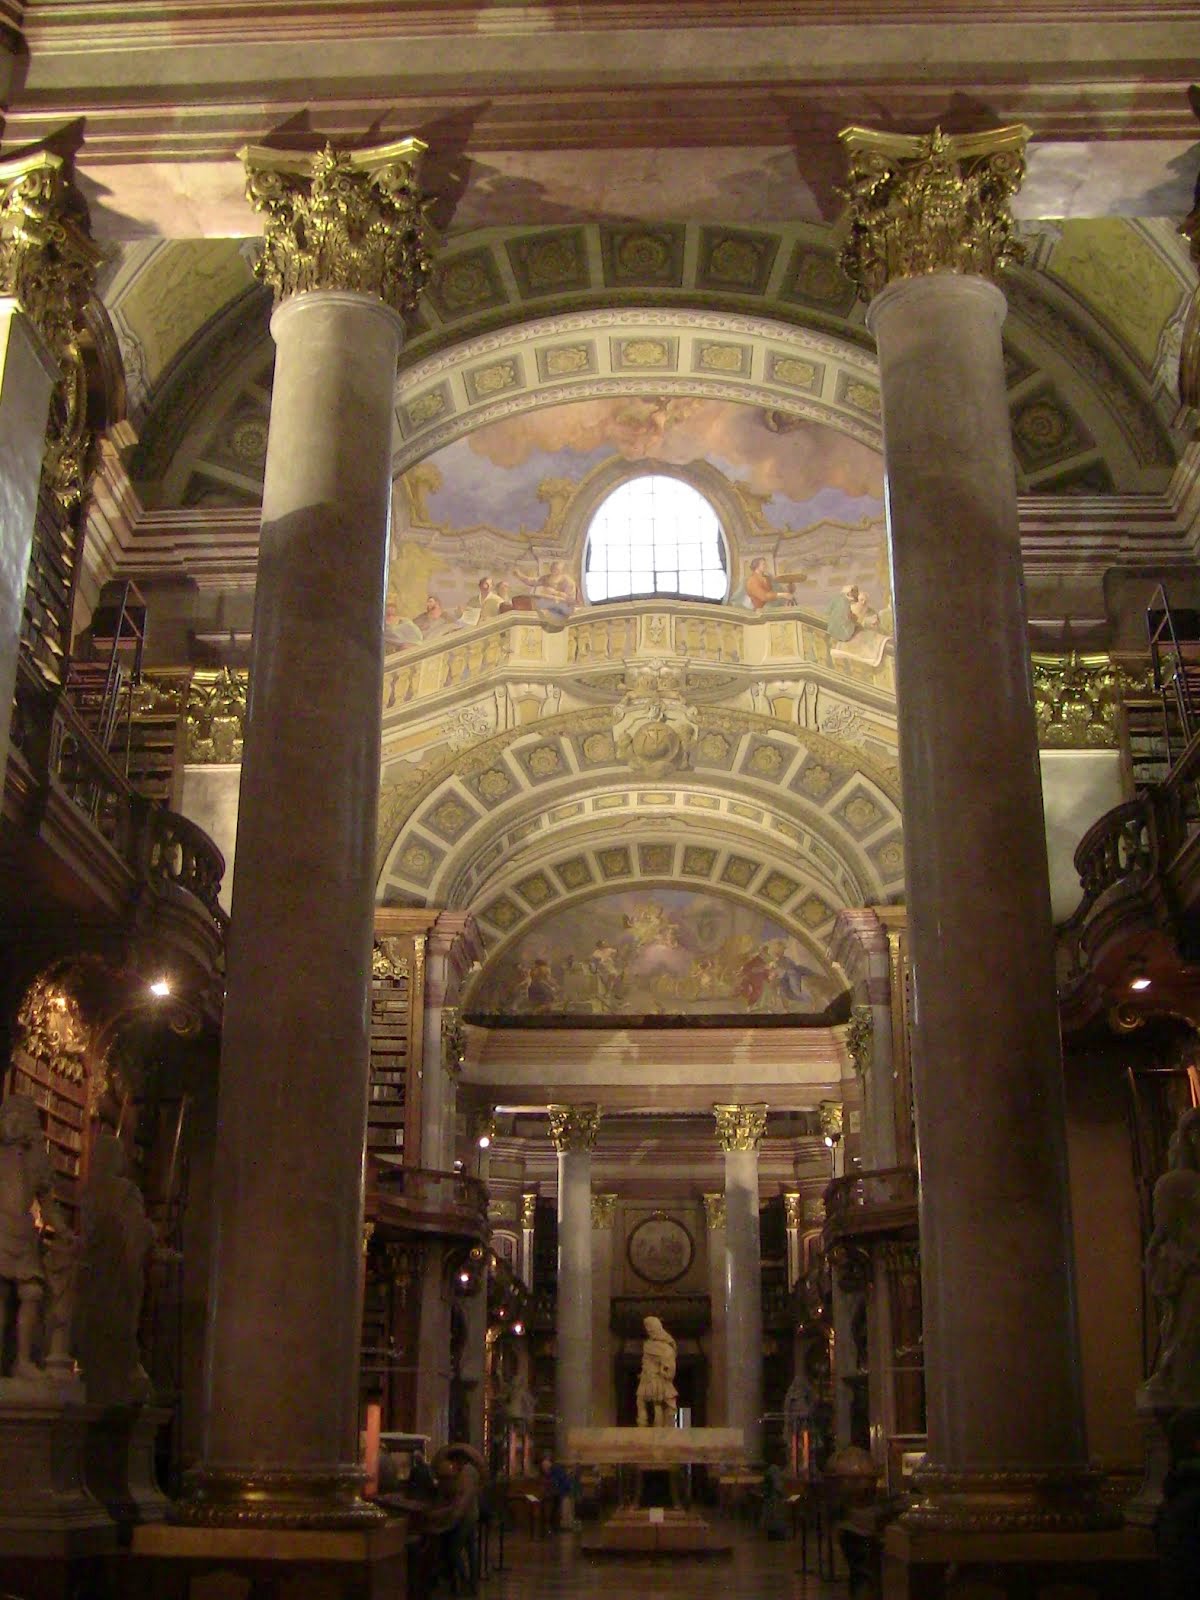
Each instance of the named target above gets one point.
<point>554,1568</point>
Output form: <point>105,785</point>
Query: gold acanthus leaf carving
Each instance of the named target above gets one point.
<point>714,1210</point>
<point>860,1037</point>
<point>216,715</point>
<point>574,1127</point>
<point>528,1210</point>
<point>353,220</point>
<point>47,261</point>
<point>929,203</point>
<point>51,1029</point>
<point>454,1040</point>
<point>604,1207</point>
<point>1075,699</point>
<point>740,1127</point>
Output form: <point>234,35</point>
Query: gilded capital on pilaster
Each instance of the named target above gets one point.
<point>354,220</point>
<point>740,1127</point>
<point>47,261</point>
<point>930,203</point>
<point>528,1210</point>
<point>604,1208</point>
<point>574,1127</point>
<point>714,1210</point>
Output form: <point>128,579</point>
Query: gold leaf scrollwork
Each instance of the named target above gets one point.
<point>714,1210</point>
<point>51,1029</point>
<point>930,203</point>
<point>1075,699</point>
<point>830,1115</point>
<point>740,1127</point>
<point>604,1207</point>
<point>343,220</point>
<point>387,966</point>
<point>216,715</point>
<point>528,1210</point>
<point>860,1037</point>
<point>574,1127</point>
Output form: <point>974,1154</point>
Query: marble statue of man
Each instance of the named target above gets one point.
<point>25,1176</point>
<point>657,1396</point>
<point>1173,1270</point>
<point>116,1241</point>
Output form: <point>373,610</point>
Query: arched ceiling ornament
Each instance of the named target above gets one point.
<point>659,309</point>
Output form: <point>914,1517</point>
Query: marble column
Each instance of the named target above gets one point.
<point>739,1129</point>
<point>442,1045</point>
<point>573,1129</point>
<point>343,250</point>
<point>528,1219</point>
<point>928,229</point>
<point>714,1216</point>
<point>473,1367</point>
<point>47,268</point>
<point>604,1208</point>
<point>432,1413</point>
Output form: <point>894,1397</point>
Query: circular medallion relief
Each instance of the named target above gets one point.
<point>660,1249</point>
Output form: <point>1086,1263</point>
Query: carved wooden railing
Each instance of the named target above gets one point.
<point>1122,847</point>
<point>861,1203</point>
<point>446,1203</point>
<point>62,757</point>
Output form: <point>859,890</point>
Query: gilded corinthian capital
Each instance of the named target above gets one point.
<point>930,203</point>
<point>740,1127</point>
<point>574,1127</point>
<point>47,261</point>
<point>342,220</point>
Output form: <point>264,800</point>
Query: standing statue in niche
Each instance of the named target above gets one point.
<point>26,1176</point>
<point>1173,1270</point>
<point>116,1240</point>
<point>657,1396</point>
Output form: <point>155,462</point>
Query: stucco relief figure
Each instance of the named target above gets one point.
<point>116,1241</point>
<point>657,1397</point>
<point>26,1177</point>
<point>1173,1270</point>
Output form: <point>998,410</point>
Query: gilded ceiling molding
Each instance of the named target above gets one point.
<point>740,1127</point>
<point>574,1127</point>
<point>714,1211</point>
<point>930,203</point>
<point>351,220</point>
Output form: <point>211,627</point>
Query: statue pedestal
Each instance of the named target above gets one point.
<point>52,1530</point>
<point>119,1463</point>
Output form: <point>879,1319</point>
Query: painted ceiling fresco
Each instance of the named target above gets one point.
<point>647,952</point>
<point>481,527</point>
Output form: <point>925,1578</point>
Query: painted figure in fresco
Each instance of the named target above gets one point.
<point>556,595</point>
<point>789,977</point>
<point>542,991</point>
<point>760,587</point>
<point>604,966</point>
<point>657,1396</point>
<point>25,1176</point>
<point>399,632</point>
<point>849,612</point>
<point>752,978</point>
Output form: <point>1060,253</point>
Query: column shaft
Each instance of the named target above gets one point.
<point>603,1412</point>
<point>995,1223</point>
<point>573,1326</point>
<point>283,1330</point>
<point>27,375</point>
<point>714,1208</point>
<point>743,1300</point>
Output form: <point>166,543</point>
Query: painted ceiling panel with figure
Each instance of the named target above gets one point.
<point>496,522</point>
<point>647,952</point>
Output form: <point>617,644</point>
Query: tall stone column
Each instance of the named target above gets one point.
<point>344,252</point>
<point>929,227</point>
<point>739,1129</point>
<point>573,1129</point>
<point>714,1216</point>
<point>859,946</point>
<point>442,1052</point>
<point>604,1208</point>
<point>47,268</point>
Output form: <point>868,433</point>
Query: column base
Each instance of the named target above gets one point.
<point>921,1564</point>
<point>276,1497</point>
<point>173,1563</point>
<point>1009,1502</point>
<point>45,1508</point>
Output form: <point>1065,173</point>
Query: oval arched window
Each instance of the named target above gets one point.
<point>655,534</point>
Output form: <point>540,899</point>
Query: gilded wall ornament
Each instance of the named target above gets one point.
<point>387,965</point>
<point>793,1211</point>
<point>860,1037</point>
<point>47,261</point>
<point>830,1114</point>
<point>354,220</point>
<point>930,203</point>
<point>574,1127</point>
<point>1075,699</point>
<point>51,1029</point>
<point>216,715</point>
<point>528,1210</point>
<point>714,1210</point>
<point>604,1208</point>
<point>740,1127</point>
